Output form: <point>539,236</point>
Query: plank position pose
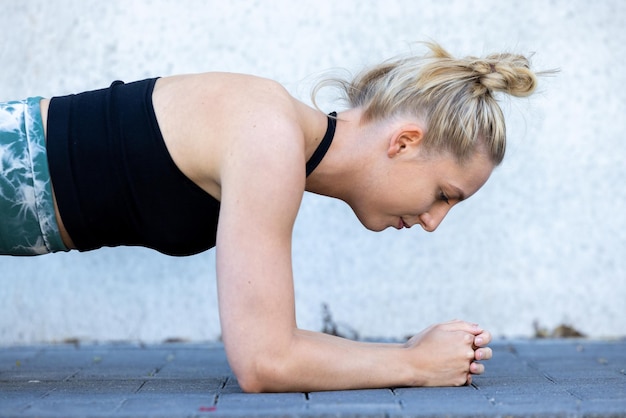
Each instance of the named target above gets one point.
<point>186,163</point>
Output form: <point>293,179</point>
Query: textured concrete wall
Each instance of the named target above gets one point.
<point>544,240</point>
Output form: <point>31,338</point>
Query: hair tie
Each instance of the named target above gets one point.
<point>493,68</point>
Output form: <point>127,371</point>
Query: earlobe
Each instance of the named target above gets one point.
<point>395,147</point>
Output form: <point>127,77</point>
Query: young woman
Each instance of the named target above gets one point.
<point>186,163</point>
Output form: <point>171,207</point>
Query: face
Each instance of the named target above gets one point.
<point>420,190</point>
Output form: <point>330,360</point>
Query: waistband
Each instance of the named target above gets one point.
<point>28,224</point>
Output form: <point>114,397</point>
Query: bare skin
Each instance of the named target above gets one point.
<point>245,141</point>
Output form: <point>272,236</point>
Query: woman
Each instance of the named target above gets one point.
<point>157,163</point>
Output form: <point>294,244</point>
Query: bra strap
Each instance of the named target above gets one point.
<point>322,148</point>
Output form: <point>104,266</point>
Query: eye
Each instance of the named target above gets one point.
<point>443,197</point>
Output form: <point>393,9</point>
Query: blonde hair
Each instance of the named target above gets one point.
<point>453,97</point>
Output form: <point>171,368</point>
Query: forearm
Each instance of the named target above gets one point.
<point>303,361</point>
<point>314,361</point>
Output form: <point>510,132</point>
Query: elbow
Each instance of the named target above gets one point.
<point>262,373</point>
<point>250,382</point>
<point>248,377</point>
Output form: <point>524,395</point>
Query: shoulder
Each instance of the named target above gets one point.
<point>265,134</point>
<point>223,127</point>
<point>257,119</point>
<point>226,101</point>
<point>224,89</point>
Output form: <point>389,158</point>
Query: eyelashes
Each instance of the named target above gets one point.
<point>443,197</point>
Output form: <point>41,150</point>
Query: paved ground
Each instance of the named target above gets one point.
<point>568,378</point>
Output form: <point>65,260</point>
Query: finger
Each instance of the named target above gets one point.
<point>477,368</point>
<point>482,339</point>
<point>483,353</point>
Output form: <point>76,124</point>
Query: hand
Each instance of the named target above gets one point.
<point>446,354</point>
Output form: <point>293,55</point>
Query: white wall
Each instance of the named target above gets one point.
<point>544,240</point>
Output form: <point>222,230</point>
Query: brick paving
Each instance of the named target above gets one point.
<point>541,378</point>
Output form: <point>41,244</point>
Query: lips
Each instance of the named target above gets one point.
<point>402,224</point>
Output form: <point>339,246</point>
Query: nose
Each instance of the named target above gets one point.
<point>432,219</point>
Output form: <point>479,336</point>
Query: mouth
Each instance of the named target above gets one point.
<point>402,224</point>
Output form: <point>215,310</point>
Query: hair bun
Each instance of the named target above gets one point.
<point>508,73</point>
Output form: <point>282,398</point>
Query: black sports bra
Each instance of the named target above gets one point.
<point>115,181</point>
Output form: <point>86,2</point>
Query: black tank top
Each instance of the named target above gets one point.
<point>115,181</point>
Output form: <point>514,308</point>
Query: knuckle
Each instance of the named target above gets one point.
<point>462,380</point>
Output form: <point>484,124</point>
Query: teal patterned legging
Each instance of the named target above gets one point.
<point>27,222</point>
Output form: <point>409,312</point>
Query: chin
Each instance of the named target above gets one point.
<point>378,228</point>
<point>373,227</point>
<point>367,223</point>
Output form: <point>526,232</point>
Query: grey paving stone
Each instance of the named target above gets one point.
<point>549,378</point>
<point>182,386</point>
<point>462,402</point>
<point>591,389</point>
<point>188,364</point>
<point>114,364</point>
<point>603,408</point>
<point>74,405</point>
<point>357,401</point>
<point>160,405</point>
<point>14,356</point>
<point>20,395</point>
<point>264,404</point>
<point>52,363</point>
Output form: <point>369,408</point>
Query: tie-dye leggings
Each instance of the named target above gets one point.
<point>27,222</point>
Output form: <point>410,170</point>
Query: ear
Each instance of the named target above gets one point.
<point>405,139</point>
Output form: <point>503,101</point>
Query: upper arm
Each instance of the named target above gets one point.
<point>262,180</point>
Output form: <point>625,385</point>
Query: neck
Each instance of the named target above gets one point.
<point>344,163</point>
